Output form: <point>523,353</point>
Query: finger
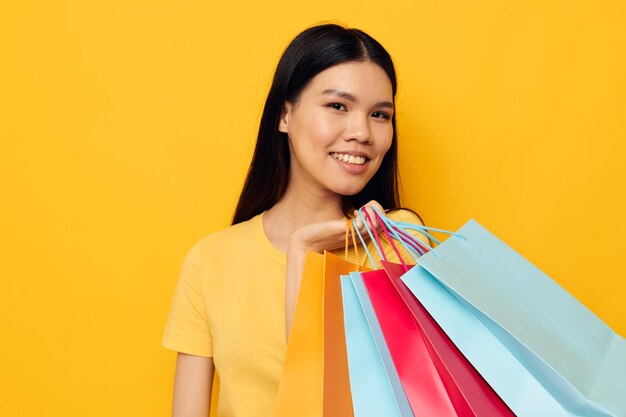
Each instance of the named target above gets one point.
<point>359,220</point>
<point>370,218</point>
<point>362,230</point>
<point>359,223</point>
<point>361,217</point>
<point>375,204</point>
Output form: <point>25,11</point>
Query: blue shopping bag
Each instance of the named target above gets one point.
<point>541,350</point>
<point>374,383</point>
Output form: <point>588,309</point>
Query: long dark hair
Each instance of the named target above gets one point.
<point>311,52</point>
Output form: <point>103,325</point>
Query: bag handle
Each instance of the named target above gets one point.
<point>350,231</point>
<point>369,227</point>
<point>389,239</point>
<point>367,252</point>
<point>398,230</point>
<point>402,226</point>
<point>411,243</point>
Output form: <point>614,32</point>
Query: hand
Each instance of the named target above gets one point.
<point>317,237</point>
<point>374,225</point>
<point>330,235</point>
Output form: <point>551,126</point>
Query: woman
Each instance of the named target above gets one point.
<point>326,145</point>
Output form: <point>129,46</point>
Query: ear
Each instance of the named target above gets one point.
<point>285,113</point>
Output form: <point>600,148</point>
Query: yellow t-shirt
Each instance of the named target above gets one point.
<point>229,304</point>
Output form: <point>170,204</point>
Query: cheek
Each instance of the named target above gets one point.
<point>386,136</point>
<point>315,130</point>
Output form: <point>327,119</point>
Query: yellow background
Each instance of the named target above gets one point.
<point>126,128</point>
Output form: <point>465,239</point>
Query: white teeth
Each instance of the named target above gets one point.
<point>351,159</point>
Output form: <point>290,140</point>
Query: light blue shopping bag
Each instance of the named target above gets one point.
<point>374,383</point>
<point>541,350</point>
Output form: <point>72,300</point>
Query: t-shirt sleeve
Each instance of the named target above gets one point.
<point>187,328</point>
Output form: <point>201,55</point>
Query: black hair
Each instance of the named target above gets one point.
<point>311,52</point>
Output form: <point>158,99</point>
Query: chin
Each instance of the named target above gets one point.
<point>349,189</point>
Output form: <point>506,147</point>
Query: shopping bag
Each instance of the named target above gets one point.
<point>336,393</point>
<point>541,350</point>
<point>315,380</point>
<point>303,358</point>
<point>436,377</point>
<point>375,385</point>
<point>409,354</point>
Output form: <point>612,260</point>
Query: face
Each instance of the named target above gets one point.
<point>340,128</point>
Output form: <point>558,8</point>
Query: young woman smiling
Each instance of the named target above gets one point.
<point>326,145</point>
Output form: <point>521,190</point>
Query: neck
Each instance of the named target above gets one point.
<point>299,207</point>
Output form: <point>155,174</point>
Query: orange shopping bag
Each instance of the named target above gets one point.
<point>315,381</point>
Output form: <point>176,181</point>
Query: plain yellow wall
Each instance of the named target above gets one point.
<point>126,128</point>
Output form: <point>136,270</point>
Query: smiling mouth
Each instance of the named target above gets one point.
<point>349,159</point>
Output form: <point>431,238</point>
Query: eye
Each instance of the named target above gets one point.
<point>381,115</point>
<point>337,106</point>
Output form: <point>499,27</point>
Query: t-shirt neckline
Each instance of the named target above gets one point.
<point>272,251</point>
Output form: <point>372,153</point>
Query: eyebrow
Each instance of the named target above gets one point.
<point>348,96</point>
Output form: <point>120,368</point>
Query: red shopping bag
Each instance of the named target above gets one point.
<point>437,378</point>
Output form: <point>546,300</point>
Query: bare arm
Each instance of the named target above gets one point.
<point>316,237</point>
<point>192,386</point>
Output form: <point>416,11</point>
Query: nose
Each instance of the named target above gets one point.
<point>358,128</point>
